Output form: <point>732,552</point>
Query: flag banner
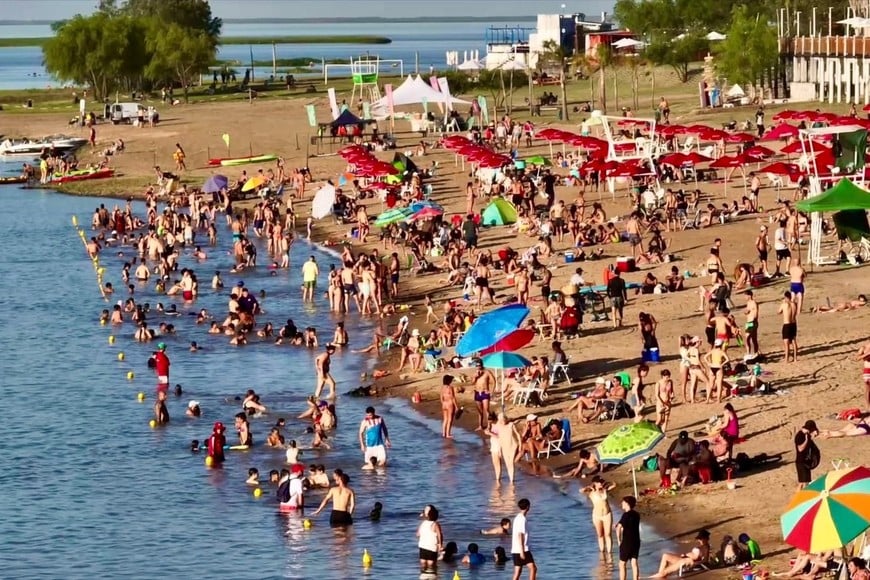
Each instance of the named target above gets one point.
<point>333,104</point>
<point>312,115</point>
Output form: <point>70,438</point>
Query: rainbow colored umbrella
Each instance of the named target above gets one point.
<point>830,512</point>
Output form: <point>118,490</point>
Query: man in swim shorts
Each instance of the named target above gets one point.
<point>321,365</point>
<point>788,309</point>
<point>343,502</point>
<point>161,367</point>
<point>751,324</point>
<point>797,275</point>
<point>309,279</point>
<point>373,437</point>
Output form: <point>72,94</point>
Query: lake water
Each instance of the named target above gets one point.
<point>426,41</point>
<point>90,491</point>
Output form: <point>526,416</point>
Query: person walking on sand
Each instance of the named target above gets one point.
<point>448,406</point>
<point>628,538</point>
<point>503,445</point>
<point>602,517</point>
<point>797,275</point>
<point>751,327</point>
<point>664,393</point>
<point>520,552</point>
<point>762,246</point>
<point>618,295</point>
<point>178,156</point>
<point>806,454</point>
<point>484,381</point>
<point>788,309</point>
<point>321,365</point>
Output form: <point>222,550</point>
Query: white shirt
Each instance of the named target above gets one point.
<point>428,537</point>
<point>780,241</point>
<point>295,490</point>
<point>577,280</point>
<point>519,527</point>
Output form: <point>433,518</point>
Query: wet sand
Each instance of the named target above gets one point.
<point>824,381</point>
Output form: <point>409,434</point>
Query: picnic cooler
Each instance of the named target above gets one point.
<point>625,264</point>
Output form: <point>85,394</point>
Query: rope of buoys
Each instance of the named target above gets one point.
<point>95,261</point>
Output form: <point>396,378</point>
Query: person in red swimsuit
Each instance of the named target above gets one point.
<point>216,442</point>
<point>161,367</point>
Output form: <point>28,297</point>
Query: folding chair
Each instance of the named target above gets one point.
<point>433,362</point>
<point>559,445</point>
<point>699,567</point>
<point>555,368</point>
<point>523,395</point>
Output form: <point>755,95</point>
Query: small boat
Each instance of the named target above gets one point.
<point>33,148</point>
<point>246,160</point>
<point>218,161</point>
<point>83,175</point>
<point>12,179</point>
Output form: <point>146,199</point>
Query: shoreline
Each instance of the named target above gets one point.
<point>39,41</point>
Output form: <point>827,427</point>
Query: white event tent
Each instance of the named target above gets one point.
<point>414,91</point>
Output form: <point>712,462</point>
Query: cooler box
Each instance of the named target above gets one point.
<point>569,257</point>
<point>650,355</point>
<point>625,264</point>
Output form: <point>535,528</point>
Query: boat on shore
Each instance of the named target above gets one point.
<point>83,175</point>
<point>230,161</point>
<point>28,148</point>
<point>12,179</point>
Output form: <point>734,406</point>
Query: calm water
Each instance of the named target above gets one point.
<point>430,42</point>
<point>89,490</point>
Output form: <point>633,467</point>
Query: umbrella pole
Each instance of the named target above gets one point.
<point>634,478</point>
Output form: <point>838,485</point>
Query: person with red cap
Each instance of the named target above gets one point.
<point>161,367</point>
<point>216,442</point>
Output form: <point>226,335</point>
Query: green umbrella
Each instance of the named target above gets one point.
<point>392,216</point>
<point>538,160</point>
<point>629,442</point>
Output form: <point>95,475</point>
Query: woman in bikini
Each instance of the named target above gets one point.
<point>503,445</point>
<point>684,365</point>
<point>696,371</point>
<point>602,517</point>
<point>853,429</point>
<point>716,359</point>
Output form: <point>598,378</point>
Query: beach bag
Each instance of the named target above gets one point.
<point>814,456</point>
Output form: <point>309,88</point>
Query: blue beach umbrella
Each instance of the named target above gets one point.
<point>505,360</point>
<point>491,327</point>
<point>215,183</point>
<point>423,204</point>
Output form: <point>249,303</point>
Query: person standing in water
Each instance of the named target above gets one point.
<point>520,543</point>
<point>448,406</point>
<point>215,443</point>
<point>503,445</point>
<point>374,438</point>
<point>309,279</point>
<point>161,367</point>
<point>321,365</point>
<point>430,540</point>
<point>343,502</point>
<point>161,414</point>
<point>602,517</point>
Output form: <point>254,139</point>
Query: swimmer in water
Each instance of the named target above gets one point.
<point>502,529</point>
<point>372,464</point>
<point>194,347</point>
<point>274,477</point>
<point>253,477</point>
<point>193,409</point>
<point>293,453</point>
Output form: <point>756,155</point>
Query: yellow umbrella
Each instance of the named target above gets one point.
<point>254,183</point>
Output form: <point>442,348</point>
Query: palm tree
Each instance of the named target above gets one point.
<point>554,56</point>
<point>587,67</point>
<point>605,59</point>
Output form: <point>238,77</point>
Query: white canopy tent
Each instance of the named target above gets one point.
<point>715,36</point>
<point>413,91</point>
<point>735,92</point>
<point>470,65</point>
<point>628,43</point>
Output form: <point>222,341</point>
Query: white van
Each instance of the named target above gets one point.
<point>128,112</point>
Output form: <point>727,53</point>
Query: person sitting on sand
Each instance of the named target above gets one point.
<point>807,566</point>
<point>743,274</point>
<point>700,554</point>
<point>616,394</point>
<point>842,306</point>
<point>675,280</point>
<point>532,438</point>
<point>588,464</point>
<point>855,428</point>
<point>588,401</point>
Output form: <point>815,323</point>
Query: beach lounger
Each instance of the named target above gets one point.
<point>700,567</point>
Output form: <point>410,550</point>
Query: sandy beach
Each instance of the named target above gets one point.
<point>825,380</point>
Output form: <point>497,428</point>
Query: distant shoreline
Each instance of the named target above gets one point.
<point>335,20</point>
<point>236,40</point>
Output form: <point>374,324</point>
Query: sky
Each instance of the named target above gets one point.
<point>59,9</point>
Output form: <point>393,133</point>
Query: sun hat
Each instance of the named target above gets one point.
<point>531,417</point>
<point>193,404</point>
<point>600,381</point>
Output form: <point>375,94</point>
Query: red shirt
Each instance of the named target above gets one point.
<point>161,364</point>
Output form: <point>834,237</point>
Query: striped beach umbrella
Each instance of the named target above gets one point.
<point>392,216</point>
<point>830,512</point>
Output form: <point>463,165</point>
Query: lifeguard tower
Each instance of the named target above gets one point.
<point>622,148</point>
<point>364,71</point>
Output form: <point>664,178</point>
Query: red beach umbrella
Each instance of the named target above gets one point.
<point>781,131</point>
<point>671,130</point>
<point>781,168</point>
<point>796,147</point>
<point>676,159</point>
<point>726,162</point>
<point>758,153</point>
<point>739,138</point>
<point>713,135</point>
<point>697,129</point>
<point>626,169</point>
<point>495,161</point>
<point>695,158</point>
<point>512,342</point>
<point>786,115</point>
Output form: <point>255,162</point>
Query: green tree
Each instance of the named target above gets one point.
<point>177,54</point>
<point>193,15</point>
<point>554,57</point>
<point>604,56</point>
<point>677,53</point>
<point>749,50</point>
<point>102,52</point>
